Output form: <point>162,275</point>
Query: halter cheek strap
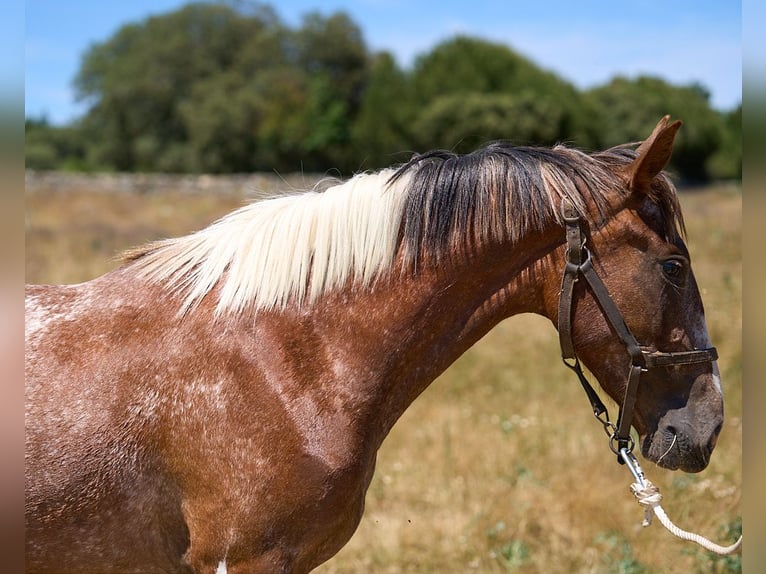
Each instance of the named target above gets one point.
<point>579,264</point>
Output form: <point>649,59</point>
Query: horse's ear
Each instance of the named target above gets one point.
<point>653,154</point>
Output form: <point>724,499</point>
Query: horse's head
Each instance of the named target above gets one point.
<point>640,256</point>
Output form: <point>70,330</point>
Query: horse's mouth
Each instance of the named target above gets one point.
<point>672,450</point>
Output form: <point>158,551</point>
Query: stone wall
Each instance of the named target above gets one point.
<point>143,183</point>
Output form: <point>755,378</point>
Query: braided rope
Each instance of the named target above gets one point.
<point>648,496</point>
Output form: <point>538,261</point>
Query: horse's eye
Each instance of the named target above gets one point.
<point>673,269</point>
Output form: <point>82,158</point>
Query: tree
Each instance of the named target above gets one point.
<point>334,48</point>
<point>137,81</point>
<point>499,86</point>
<point>332,53</point>
<point>221,117</point>
<point>726,162</point>
<point>463,122</point>
<point>470,65</point>
<point>383,126</point>
<point>224,87</point>
<point>49,147</point>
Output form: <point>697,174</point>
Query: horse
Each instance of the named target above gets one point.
<point>216,402</point>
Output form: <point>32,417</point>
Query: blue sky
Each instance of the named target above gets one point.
<point>586,42</point>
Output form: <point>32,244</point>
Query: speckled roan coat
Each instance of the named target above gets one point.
<point>179,420</point>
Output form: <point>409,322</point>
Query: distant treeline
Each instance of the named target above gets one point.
<point>228,87</point>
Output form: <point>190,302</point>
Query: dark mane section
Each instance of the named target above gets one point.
<point>502,192</point>
<point>498,192</point>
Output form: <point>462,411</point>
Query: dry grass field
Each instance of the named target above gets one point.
<point>499,465</point>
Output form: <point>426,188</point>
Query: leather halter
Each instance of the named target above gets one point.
<point>579,264</point>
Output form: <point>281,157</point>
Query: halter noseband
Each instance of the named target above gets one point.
<point>578,263</point>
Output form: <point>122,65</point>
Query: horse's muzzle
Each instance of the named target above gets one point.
<point>680,447</point>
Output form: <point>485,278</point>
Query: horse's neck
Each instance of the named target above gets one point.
<point>400,336</point>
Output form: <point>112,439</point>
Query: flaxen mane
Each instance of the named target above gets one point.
<point>297,247</point>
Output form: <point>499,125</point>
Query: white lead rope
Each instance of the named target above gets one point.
<point>648,496</point>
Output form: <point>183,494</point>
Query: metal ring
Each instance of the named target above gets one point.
<point>616,450</point>
<point>609,427</point>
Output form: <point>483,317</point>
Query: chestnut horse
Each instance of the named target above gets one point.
<point>215,404</point>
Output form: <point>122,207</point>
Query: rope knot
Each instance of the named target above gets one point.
<point>648,496</point>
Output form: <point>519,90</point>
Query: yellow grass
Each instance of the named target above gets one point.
<point>499,465</point>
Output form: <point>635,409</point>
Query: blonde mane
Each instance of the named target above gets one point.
<point>292,247</point>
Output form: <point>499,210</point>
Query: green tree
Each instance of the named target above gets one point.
<point>726,162</point>
<point>470,65</point>
<point>383,127</point>
<point>332,53</point>
<point>333,47</point>
<point>221,116</point>
<point>137,80</point>
<point>463,122</point>
<point>49,147</point>
<point>496,83</point>
<point>225,87</point>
